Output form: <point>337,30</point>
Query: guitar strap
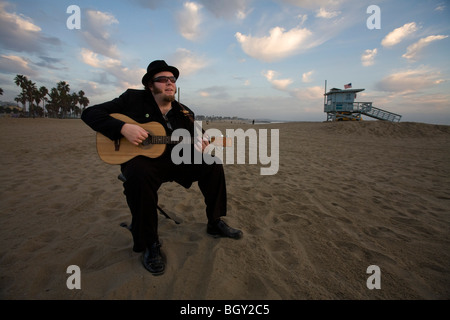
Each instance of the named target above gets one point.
<point>189,115</point>
<point>186,112</point>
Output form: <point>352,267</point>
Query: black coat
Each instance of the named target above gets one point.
<point>140,106</point>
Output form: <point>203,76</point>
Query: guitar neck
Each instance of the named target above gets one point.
<point>168,140</point>
<point>160,140</point>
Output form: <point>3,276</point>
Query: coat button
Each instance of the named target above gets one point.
<point>147,115</point>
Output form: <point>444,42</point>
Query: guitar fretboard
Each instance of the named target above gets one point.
<point>165,140</point>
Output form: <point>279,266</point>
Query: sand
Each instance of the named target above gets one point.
<point>347,196</point>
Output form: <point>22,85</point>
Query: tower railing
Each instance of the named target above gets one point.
<point>366,108</point>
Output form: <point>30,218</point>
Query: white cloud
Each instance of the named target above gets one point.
<point>367,58</point>
<point>123,76</point>
<point>188,62</point>
<point>15,64</point>
<point>19,33</point>
<point>102,52</point>
<point>311,93</point>
<point>277,45</point>
<point>189,20</point>
<point>91,58</point>
<point>302,18</point>
<point>280,84</point>
<point>214,92</point>
<point>306,77</point>
<point>410,81</point>
<point>413,50</point>
<point>270,74</point>
<point>99,20</point>
<point>323,13</point>
<point>21,21</point>
<point>241,15</point>
<point>397,35</point>
<point>97,33</point>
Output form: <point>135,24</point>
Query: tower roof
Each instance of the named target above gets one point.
<point>336,90</point>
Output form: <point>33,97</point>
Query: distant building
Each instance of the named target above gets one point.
<point>340,105</point>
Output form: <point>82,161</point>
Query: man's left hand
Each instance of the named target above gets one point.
<point>201,144</point>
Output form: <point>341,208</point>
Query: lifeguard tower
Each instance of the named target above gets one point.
<point>340,105</point>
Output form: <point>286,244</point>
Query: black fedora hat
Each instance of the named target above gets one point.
<point>158,66</point>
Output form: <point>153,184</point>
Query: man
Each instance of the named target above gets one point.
<point>145,175</point>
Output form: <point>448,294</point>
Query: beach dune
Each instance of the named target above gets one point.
<point>347,195</point>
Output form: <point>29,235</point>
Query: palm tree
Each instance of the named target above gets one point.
<point>22,99</point>
<point>28,90</point>
<point>20,81</point>
<point>38,98</point>
<point>53,105</point>
<point>82,100</point>
<point>73,103</point>
<point>60,98</point>
<point>63,89</point>
<point>31,92</point>
<point>43,91</point>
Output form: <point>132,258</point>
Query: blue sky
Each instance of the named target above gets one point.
<point>245,58</point>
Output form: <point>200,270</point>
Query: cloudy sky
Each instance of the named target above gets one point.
<point>246,58</point>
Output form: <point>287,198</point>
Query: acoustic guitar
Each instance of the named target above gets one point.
<point>121,151</point>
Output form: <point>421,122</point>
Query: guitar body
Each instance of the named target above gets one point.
<point>117,153</point>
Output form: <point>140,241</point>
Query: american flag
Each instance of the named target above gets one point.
<point>347,86</point>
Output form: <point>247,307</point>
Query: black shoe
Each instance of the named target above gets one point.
<point>152,259</point>
<point>221,229</point>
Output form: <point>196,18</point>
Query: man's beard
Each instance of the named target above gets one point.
<point>166,97</point>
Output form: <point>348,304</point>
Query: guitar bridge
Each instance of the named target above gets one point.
<point>116,145</point>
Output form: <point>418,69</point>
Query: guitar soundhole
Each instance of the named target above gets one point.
<point>147,142</point>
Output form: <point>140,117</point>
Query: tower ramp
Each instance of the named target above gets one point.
<point>367,109</point>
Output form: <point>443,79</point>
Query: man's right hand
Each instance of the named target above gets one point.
<point>134,133</point>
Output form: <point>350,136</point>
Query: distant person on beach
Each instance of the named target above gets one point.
<point>145,175</point>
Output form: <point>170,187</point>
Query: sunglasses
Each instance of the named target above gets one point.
<point>164,79</point>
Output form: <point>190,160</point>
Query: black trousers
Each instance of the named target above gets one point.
<point>144,176</point>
